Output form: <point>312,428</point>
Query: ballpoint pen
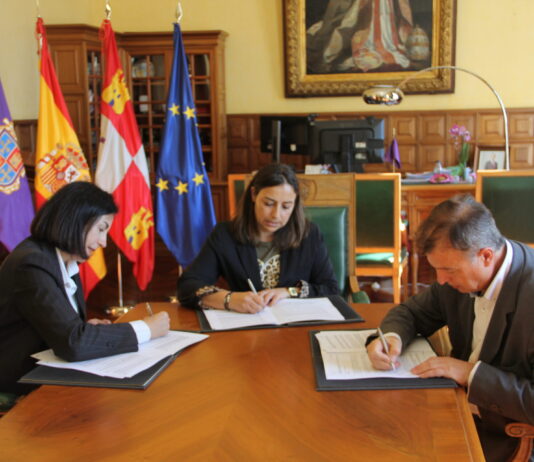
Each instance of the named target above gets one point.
<point>149,309</point>
<point>252,286</point>
<point>385,346</point>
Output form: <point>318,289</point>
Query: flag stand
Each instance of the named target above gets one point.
<point>119,310</point>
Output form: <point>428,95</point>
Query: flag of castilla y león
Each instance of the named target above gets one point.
<point>122,168</point>
<point>59,158</point>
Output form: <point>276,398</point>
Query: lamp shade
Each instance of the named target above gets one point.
<point>383,94</point>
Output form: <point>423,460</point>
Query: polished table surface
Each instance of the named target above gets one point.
<point>241,396</point>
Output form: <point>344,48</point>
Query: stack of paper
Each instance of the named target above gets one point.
<point>126,364</point>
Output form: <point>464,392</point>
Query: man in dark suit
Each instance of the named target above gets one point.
<point>483,293</point>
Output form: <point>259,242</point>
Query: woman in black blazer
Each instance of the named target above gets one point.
<point>270,243</point>
<point>41,297</point>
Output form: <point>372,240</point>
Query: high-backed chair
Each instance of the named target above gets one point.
<point>334,225</point>
<point>378,249</point>
<point>510,197</point>
<point>525,433</point>
<point>236,188</point>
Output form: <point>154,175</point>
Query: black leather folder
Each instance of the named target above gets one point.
<point>45,375</point>
<point>380,383</point>
<point>346,311</point>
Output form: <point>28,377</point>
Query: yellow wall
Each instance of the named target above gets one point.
<point>495,38</point>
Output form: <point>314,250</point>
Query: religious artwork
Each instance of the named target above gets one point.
<point>341,47</point>
<point>490,158</point>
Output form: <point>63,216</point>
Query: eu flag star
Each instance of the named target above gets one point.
<point>181,188</point>
<point>162,185</point>
<point>198,179</point>
<point>189,112</point>
<point>174,109</point>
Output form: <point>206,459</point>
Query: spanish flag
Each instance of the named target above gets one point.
<point>122,168</point>
<point>59,158</point>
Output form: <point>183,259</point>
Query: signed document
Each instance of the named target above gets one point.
<point>345,356</point>
<point>126,364</point>
<point>287,311</point>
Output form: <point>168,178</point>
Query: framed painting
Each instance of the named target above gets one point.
<point>490,158</point>
<point>342,47</point>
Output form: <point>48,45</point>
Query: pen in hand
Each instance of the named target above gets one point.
<point>385,346</point>
<point>252,286</point>
<point>149,309</point>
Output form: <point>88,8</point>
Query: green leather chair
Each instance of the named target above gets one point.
<point>510,197</point>
<point>7,401</point>
<point>334,224</point>
<point>379,251</point>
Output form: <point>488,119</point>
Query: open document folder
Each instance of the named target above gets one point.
<point>128,370</point>
<point>290,311</point>
<point>341,363</point>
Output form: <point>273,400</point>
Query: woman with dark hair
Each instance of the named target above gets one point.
<point>270,242</point>
<point>41,297</point>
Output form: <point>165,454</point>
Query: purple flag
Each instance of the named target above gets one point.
<point>16,206</point>
<point>392,154</point>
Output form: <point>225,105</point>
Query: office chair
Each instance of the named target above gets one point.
<point>508,195</point>
<point>379,251</point>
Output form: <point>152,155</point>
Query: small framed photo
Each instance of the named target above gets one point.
<point>490,158</point>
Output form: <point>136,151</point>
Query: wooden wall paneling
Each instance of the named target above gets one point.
<point>490,129</point>
<point>521,156</point>
<point>408,155</point>
<point>432,129</point>
<point>405,126</point>
<point>521,126</point>
<point>219,193</point>
<point>428,155</point>
<point>26,131</point>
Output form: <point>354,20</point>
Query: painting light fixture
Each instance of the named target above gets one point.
<point>390,95</point>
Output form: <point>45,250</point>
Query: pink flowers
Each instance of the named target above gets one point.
<point>461,136</point>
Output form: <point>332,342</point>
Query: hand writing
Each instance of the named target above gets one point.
<point>379,359</point>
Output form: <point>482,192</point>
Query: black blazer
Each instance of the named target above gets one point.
<point>222,256</point>
<point>35,314</point>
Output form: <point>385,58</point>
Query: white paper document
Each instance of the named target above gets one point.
<point>286,311</point>
<point>345,356</point>
<point>126,364</point>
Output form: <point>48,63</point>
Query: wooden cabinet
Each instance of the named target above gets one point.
<point>147,61</point>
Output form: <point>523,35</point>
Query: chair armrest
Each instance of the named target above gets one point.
<point>357,295</point>
<point>525,432</point>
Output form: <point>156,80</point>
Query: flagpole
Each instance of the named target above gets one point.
<point>120,309</point>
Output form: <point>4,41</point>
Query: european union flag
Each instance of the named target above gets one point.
<point>184,213</point>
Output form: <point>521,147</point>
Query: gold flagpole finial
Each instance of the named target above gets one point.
<point>38,8</point>
<point>108,10</point>
<point>179,13</point>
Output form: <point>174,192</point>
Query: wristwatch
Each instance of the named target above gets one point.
<point>293,292</point>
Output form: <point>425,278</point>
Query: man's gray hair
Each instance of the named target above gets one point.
<point>467,224</point>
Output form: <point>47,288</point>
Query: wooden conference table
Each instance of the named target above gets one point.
<point>241,396</point>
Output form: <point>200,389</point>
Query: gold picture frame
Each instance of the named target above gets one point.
<point>306,35</point>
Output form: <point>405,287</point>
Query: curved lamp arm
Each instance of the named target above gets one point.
<point>391,95</point>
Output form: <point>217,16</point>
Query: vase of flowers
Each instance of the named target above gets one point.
<point>460,136</point>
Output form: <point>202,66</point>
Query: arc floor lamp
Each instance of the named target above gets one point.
<point>390,95</point>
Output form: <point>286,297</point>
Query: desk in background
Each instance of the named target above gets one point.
<point>241,396</point>
<point>417,202</point>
